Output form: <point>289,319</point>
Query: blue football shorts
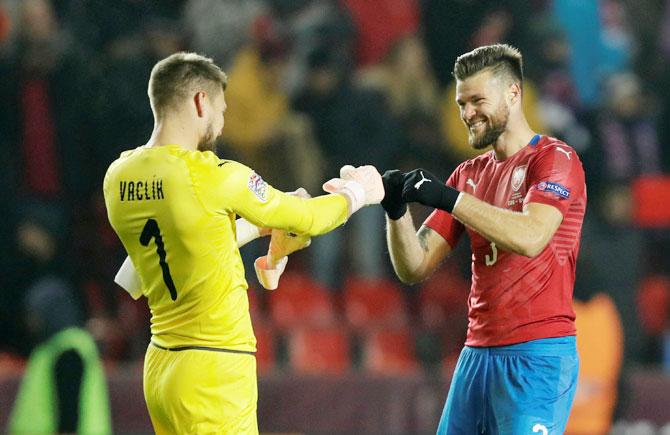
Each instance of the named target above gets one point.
<point>525,388</point>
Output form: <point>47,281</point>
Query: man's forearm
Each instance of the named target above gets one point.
<point>517,232</point>
<point>407,254</point>
<point>245,232</point>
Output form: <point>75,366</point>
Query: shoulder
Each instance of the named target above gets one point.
<point>214,171</point>
<point>548,145</point>
<point>208,161</point>
<point>555,157</point>
<point>120,161</point>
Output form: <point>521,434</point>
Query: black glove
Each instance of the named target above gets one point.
<point>393,204</point>
<point>423,187</point>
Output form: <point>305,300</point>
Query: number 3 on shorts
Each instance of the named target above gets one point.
<point>490,260</point>
<point>540,428</point>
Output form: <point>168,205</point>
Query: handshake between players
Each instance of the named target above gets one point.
<point>361,186</point>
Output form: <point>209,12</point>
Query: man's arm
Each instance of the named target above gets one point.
<point>246,232</point>
<point>246,194</point>
<point>414,255</point>
<point>526,233</point>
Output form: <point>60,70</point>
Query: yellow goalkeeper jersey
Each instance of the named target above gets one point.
<point>174,211</point>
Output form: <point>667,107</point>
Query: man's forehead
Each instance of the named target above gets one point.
<point>476,83</point>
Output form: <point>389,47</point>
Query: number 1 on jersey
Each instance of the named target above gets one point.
<point>151,231</point>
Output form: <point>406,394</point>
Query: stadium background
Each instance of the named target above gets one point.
<point>314,84</point>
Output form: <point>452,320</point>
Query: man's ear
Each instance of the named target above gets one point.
<point>199,101</point>
<point>515,92</point>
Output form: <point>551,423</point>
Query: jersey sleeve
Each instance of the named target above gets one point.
<point>443,222</point>
<point>555,177</point>
<point>237,189</point>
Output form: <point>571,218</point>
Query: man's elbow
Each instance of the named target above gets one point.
<point>410,277</point>
<point>533,247</point>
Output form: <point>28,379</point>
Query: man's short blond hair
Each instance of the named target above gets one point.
<point>501,59</point>
<point>180,75</point>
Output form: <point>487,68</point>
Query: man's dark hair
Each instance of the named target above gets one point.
<point>501,59</point>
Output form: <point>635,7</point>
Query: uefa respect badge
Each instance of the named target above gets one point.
<point>555,188</point>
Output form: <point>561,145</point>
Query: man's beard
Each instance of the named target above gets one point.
<point>208,141</point>
<point>494,127</point>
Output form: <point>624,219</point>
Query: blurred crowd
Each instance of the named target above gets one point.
<point>315,84</point>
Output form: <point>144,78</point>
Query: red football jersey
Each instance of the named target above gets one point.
<point>514,298</point>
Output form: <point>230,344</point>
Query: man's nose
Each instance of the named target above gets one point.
<point>469,113</point>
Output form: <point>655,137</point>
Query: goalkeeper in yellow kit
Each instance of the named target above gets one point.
<point>174,205</point>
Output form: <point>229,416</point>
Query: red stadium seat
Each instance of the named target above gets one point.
<point>265,347</point>
<point>649,193</point>
<point>319,351</point>
<point>370,304</point>
<point>390,353</point>
<point>300,301</point>
<point>653,304</point>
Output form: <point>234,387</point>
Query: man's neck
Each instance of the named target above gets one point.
<point>173,131</point>
<point>515,138</point>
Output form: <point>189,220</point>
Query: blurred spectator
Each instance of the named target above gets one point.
<point>600,44</point>
<point>581,24</point>
<point>352,126</point>
<point>5,25</point>
<point>220,28</point>
<point>64,388</point>
<point>619,47</point>
<point>625,146</point>
<point>38,253</point>
<point>453,27</point>
<point>660,81</point>
<point>260,122</point>
<point>628,131</point>
<point>379,25</point>
<point>44,82</point>
<point>406,80</point>
<point>98,23</point>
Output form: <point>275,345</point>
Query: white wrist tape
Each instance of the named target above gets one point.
<point>269,277</point>
<point>128,279</point>
<point>245,232</point>
<point>355,192</point>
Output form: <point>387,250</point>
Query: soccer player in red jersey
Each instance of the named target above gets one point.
<point>522,203</point>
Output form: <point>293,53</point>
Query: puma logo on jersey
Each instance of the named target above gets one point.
<point>567,153</point>
<point>472,184</point>
<point>421,181</point>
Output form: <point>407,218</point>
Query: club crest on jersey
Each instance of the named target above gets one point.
<point>555,188</point>
<point>518,176</point>
<point>258,187</point>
